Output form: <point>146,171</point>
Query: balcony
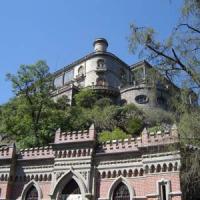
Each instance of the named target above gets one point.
<point>101,69</point>
<point>80,77</point>
<point>105,89</point>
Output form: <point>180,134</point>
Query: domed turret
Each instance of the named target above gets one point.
<point>100,44</point>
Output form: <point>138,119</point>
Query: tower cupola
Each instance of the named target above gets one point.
<point>100,44</point>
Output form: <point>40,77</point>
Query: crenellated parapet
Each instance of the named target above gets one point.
<point>147,139</point>
<point>159,137</point>
<point>7,152</point>
<point>72,153</point>
<point>36,153</point>
<point>75,136</point>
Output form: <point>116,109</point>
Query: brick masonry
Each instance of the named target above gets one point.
<point>142,164</point>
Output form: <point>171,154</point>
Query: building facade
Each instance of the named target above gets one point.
<point>109,75</point>
<point>77,167</point>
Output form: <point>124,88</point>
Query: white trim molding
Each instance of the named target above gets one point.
<point>120,179</point>
<point>28,186</point>
<point>64,179</point>
<point>168,187</point>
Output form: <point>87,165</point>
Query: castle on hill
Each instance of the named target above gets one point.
<point>107,74</point>
<point>75,166</point>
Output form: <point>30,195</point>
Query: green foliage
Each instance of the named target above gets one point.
<point>104,114</point>
<point>178,59</point>
<point>32,117</point>
<point>104,118</point>
<point>63,102</point>
<point>17,122</point>
<point>116,134</point>
<point>85,98</point>
<point>189,127</point>
<point>155,129</point>
<point>130,119</point>
<point>79,118</point>
<point>191,8</point>
<point>178,56</point>
<point>102,102</point>
<point>158,117</point>
<point>134,125</point>
<point>130,110</point>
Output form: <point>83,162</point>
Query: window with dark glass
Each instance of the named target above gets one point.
<point>121,192</point>
<point>163,191</point>
<point>58,82</point>
<point>32,194</point>
<point>100,63</point>
<point>138,75</point>
<point>141,99</point>
<point>101,81</point>
<point>68,76</point>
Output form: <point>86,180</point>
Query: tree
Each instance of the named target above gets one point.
<point>180,53</point>
<point>104,117</point>
<point>130,119</point>
<point>32,85</point>
<point>91,107</point>
<point>178,59</point>
<point>86,98</point>
<point>32,116</point>
<point>189,127</point>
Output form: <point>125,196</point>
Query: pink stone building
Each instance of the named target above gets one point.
<point>76,167</point>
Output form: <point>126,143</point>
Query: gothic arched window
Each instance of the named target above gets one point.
<point>121,192</point>
<point>71,191</point>
<point>32,194</point>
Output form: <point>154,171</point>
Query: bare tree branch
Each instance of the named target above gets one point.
<point>176,60</point>
<point>189,27</point>
<point>186,69</point>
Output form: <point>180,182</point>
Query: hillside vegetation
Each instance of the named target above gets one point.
<point>32,117</point>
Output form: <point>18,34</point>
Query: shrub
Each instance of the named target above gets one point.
<point>134,125</point>
<point>103,102</point>
<point>158,117</point>
<point>104,117</point>
<point>85,98</point>
<point>116,134</point>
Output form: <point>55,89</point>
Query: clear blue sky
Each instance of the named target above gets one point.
<point>61,31</point>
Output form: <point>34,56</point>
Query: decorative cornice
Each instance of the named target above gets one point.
<point>88,56</point>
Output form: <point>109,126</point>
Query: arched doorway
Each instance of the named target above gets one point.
<point>71,191</point>
<point>32,194</point>
<point>121,192</point>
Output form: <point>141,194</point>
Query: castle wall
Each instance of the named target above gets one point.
<point>144,187</point>
<point>140,163</point>
<point>129,95</point>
